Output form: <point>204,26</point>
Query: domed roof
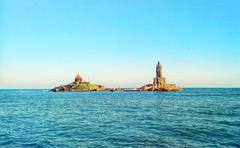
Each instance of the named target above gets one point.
<point>78,78</point>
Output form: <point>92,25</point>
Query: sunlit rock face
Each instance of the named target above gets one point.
<point>159,82</point>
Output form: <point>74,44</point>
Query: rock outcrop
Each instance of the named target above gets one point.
<point>79,85</point>
<point>159,83</point>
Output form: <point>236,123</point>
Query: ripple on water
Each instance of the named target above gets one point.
<point>190,118</point>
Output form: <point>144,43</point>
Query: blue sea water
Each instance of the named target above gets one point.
<point>190,118</point>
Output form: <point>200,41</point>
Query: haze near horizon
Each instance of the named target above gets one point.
<point>118,43</point>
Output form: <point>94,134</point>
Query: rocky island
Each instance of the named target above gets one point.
<point>78,86</point>
<point>159,84</point>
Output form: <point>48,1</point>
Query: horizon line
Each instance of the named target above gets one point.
<point>130,87</point>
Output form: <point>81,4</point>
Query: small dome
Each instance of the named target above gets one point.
<point>78,78</point>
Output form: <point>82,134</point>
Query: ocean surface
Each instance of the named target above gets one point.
<point>190,118</point>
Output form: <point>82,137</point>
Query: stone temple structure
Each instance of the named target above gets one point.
<point>159,82</point>
<point>78,79</point>
<point>79,85</point>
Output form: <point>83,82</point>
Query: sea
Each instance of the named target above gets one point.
<point>194,117</point>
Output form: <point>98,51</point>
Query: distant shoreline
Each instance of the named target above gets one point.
<point>124,88</point>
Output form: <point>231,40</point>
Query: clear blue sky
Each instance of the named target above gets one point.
<point>44,43</point>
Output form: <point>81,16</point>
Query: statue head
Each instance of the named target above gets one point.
<point>159,64</point>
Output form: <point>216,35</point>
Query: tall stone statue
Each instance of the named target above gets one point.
<point>159,70</point>
<point>159,81</point>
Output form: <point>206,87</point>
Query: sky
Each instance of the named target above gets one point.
<point>117,43</point>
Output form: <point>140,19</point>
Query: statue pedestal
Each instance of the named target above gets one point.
<point>159,82</point>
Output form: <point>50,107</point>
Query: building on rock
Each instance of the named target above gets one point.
<point>159,82</point>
